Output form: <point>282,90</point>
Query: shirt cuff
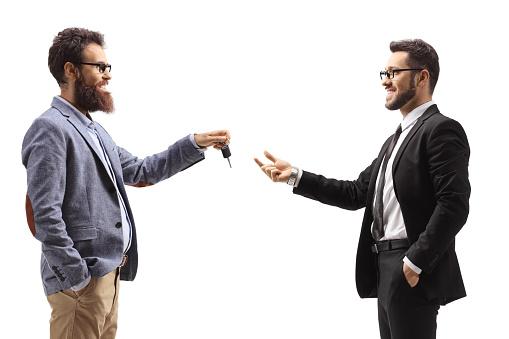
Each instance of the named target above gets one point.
<point>198,148</point>
<point>411,265</point>
<point>299,176</point>
<point>81,285</point>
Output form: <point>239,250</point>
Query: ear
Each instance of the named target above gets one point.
<point>71,71</point>
<point>422,78</point>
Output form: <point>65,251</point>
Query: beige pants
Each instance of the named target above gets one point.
<point>92,315</point>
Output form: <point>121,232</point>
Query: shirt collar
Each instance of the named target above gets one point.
<point>412,117</point>
<point>85,120</point>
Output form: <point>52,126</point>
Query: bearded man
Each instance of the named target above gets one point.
<point>76,203</point>
<point>416,193</point>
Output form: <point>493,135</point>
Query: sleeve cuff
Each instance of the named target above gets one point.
<point>81,285</point>
<point>412,266</point>
<point>198,148</point>
<point>299,176</point>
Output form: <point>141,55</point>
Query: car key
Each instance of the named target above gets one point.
<point>226,152</point>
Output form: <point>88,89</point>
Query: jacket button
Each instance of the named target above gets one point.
<point>118,224</point>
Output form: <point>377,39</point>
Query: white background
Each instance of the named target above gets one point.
<point>225,253</point>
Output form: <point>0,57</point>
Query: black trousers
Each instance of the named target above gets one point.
<point>403,312</point>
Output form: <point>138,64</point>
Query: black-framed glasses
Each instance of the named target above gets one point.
<point>100,65</point>
<point>390,72</point>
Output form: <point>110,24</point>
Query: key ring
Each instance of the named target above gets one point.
<point>222,142</point>
<point>225,145</point>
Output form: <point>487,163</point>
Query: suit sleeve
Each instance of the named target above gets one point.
<point>44,156</point>
<point>155,168</point>
<point>350,195</point>
<point>448,155</point>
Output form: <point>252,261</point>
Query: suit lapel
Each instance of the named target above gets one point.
<point>374,174</point>
<point>109,147</point>
<point>84,133</point>
<point>79,126</point>
<point>422,119</point>
<point>371,189</point>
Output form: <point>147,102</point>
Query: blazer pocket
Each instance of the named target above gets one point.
<point>82,233</point>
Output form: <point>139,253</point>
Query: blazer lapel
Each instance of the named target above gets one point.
<point>109,147</point>
<point>429,112</point>
<point>78,125</point>
<point>374,175</point>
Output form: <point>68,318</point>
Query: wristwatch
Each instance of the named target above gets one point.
<point>293,176</point>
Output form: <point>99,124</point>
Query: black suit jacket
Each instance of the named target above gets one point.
<point>431,184</point>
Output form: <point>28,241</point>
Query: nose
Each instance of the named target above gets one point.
<point>386,81</point>
<point>107,74</point>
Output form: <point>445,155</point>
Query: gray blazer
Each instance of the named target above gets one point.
<point>72,204</point>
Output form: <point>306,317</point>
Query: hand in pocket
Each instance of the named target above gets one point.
<point>411,277</point>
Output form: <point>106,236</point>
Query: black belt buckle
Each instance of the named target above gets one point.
<point>389,245</point>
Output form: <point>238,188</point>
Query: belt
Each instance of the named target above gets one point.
<point>124,260</point>
<point>389,245</point>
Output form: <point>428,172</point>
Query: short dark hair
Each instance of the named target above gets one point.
<point>68,46</point>
<point>420,55</point>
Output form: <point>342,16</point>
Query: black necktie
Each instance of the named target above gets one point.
<point>378,212</point>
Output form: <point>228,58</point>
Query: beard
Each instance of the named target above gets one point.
<point>403,98</point>
<point>91,98</point>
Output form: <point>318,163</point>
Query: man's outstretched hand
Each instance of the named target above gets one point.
<point>278,171</point>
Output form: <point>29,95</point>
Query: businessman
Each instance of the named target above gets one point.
<point>76,203</point>
<point>416,198</point>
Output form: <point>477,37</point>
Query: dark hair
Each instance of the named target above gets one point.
<point>420,55</point>
<point>68,46</point>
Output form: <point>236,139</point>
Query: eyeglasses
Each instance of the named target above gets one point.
<point>101,65</point>
<point>390,72</point>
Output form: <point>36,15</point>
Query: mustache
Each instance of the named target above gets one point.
<point>102,83</point>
